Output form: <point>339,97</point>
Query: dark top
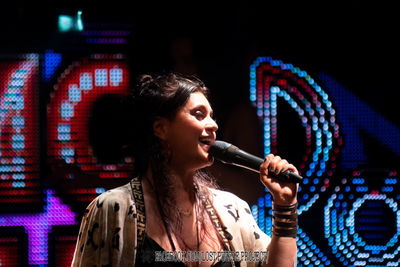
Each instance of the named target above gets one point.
<point>151,249</point>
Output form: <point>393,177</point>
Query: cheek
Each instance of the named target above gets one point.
<point>185,133</point>
<point>190,128</point>
<point>182,136</point>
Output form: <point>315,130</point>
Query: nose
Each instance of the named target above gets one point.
<point>211,125</point>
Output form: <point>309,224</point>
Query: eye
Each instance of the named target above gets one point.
<point>199,114</point>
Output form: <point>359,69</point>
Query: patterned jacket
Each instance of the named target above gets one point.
<point>108,232</point>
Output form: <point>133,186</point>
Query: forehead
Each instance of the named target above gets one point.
<point>197,99</point>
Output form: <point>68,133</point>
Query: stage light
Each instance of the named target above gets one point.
<point>67,23</point>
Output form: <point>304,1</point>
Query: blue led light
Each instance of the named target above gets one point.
<point>67,154</point>
<point>74,93</point>
<point>18,184</point>
<point>261,219</point>
<point>343,226</point>
<point>85,81</point>
<point>18,141</point>
<point>67,110</point>
<point>100,190</point>
<point>51,62</point>
<point>390,181</point>
<point>116,76</point>
<point>64,132</point>
<point>100,76</point>
<point>254,212</point>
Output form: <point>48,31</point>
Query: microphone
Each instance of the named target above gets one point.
<point>230,154</point>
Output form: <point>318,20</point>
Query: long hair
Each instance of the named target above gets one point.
<point>163,96</point>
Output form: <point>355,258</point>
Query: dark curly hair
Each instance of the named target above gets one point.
<point>162,96</point>
<point>159,96</point>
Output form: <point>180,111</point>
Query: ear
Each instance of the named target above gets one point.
<point>160,127</point>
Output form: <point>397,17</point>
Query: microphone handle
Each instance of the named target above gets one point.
<point>251,162</point>
<point>244,159</point>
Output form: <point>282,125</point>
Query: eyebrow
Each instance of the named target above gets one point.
<point>204,107</point>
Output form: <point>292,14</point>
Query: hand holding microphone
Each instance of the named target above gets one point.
<point>284,195</point>
<point>230,154</point>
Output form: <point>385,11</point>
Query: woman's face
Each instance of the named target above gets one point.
<point>190,134</point>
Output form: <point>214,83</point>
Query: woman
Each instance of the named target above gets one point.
<point>172,205</point>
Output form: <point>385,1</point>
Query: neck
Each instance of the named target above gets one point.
<point>184,186</point>
<point>181,182</point>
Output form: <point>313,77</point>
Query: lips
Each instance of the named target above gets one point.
<point>206,141</point>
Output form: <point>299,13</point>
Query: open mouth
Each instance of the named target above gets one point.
<point>206,140</point>
<point>206,143</point>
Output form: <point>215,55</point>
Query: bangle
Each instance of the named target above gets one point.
<point>287,225</point>
<point>291,217</point>
<point>288,208</point>
<point>284,220</point>
<point>285,232</point>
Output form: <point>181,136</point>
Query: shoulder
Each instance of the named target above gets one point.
<point>121,193</point>
<point>232,210</point>
<point>115,199</point>
<point>107,228</point>
<point>235,214</point>
<point>228,198</point>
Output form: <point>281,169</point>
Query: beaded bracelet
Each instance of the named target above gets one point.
<point>284,220</point>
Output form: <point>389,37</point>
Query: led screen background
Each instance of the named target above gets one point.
<point>310,95</point>
<point>360,215</point>
<point>19,135</point>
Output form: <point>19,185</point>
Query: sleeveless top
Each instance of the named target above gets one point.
<point>147,257</point>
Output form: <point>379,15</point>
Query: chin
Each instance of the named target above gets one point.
<point>210,160</point>
<point>206,161</point>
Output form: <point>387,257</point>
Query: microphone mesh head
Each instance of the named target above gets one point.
<point>218,148</point>
<point>220,145</point>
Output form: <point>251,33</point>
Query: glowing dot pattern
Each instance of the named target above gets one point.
<point>355,231</point>
<point>38,226</point>
<point>51,62</point>
<point>64,250</point>
<point>271,79</point>
<point>356,117</point>
<point>8,251</point>
<point>77,88</point>
<point>362,224</point>
<point>19,160</point>
<point>308,253</point>
<point>76,91</point>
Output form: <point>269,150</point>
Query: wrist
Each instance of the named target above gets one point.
<point>284,220</point>
<point>283,201</point>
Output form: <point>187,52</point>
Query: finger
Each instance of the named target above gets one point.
<point>268,159</point>
<point>281,166</point>
<point>274,163</point>
<point>264,168</point>
<point>292,168</point>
